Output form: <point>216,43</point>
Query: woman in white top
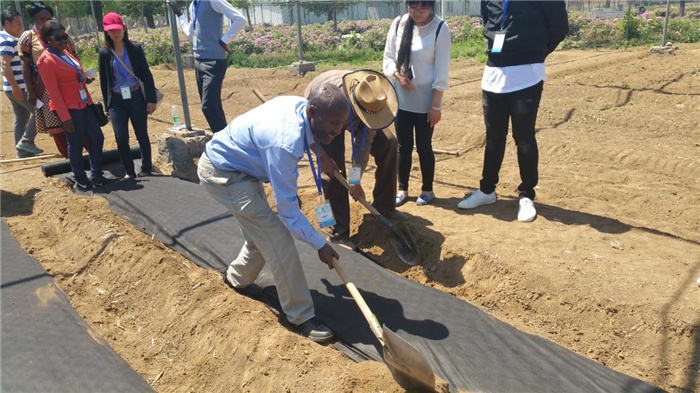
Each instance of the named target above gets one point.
<point>417,60</point>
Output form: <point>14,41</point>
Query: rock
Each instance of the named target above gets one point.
<point>179,153</point>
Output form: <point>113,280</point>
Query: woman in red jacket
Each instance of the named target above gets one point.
<point>64,80</point>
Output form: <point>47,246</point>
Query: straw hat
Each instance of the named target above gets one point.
<point>372,97</point>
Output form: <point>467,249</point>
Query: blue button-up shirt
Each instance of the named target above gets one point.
<point>267,143</point>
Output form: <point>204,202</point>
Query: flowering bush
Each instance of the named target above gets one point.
<point>276,45</point>
<point>645,28</point>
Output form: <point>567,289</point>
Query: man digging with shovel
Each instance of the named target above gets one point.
<point>266,144</point>
<point>373,108</point>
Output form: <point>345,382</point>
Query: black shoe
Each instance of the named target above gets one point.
<point>253,290</point>
<point>343,241</point>
<point>314,330</point>
<point>144,174</point>
<point>98,182</point>
<point>82,186</point>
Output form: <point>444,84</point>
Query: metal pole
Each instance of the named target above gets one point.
<point>97,34</point>
<point>442,9</point>
<point>178,65</point>
<point>668,11</point>
<point>301,54</point>
<point>629,16</point>
<point>19,9</point>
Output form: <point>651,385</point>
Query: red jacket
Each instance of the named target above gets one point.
<point>62,84</point>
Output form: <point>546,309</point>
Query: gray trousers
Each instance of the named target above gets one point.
<point>25,126</point>
<point>210,76</point>
<point>267,239</point>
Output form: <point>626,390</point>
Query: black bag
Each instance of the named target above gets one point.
<point>100,113</point>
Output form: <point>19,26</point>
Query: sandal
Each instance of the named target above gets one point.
<point>401,198</point>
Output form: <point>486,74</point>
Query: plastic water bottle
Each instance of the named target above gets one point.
<point>176,117</point>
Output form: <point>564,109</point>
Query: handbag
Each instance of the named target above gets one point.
<point>159,94</point>
<point>99,110</point>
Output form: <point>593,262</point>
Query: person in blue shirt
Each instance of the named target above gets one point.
<point>257,148</point>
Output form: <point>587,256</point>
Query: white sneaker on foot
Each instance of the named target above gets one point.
<point>526,211</point>
<point>476,199</point>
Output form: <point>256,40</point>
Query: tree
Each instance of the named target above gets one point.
<point>329,8</point>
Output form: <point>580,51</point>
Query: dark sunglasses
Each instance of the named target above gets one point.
<point>419,4</point>
<point>63,37</point>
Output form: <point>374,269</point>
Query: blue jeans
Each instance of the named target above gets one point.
<point>120,111</point>
<point>85,125</point>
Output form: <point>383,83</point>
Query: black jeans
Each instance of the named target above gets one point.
<point>383,150</point>
<point>406,122</point>
<point>120,111</point>
<point>210,76</point>
<point>521,108</point>
<point>85,125</point>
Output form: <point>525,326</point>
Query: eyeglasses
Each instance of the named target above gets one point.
<point>63,37</point>
<point>415,5</point>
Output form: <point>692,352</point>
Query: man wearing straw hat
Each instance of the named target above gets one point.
<point>373,108</point>
<point>257,148</point>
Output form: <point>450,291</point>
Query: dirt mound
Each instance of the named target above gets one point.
<point>608,268</point>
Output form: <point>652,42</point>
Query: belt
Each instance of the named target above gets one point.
<point>132,88</point>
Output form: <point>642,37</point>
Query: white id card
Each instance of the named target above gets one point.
<point>83,95</point>
<point>498,42</point>
<point>354,175</point>
<point>126,92</point>
<point>39,104</point>
<point>324,214</point>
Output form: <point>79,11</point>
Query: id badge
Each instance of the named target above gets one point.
<point>498,42</point>
<point>324,214</point>
<point>354,175</point>
<point>126,92</point>
<point>83,95</point>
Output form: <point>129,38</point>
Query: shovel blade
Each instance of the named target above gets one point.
<point>404,244</point>
<point>409,367</point>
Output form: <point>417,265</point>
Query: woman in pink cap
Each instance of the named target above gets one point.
<point>128,92</point>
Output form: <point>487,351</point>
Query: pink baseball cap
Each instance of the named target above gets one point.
<point>112,21</point>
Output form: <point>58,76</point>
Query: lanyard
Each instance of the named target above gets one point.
<point>505,13</point>
<point>317,176</point>
<point>124,58</point>
<point>71,63</point>
<point>352,139</point>
<point>196,11</point>
<point>38,37</point>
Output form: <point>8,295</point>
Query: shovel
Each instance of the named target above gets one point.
<point>403,242</point>
<point>409,367</point>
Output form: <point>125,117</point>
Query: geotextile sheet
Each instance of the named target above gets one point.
<point>467,347</point>
<point>46,346</point>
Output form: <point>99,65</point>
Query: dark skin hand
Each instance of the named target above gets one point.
<point>326,255</point>
<point>225,46</point>
<point>174,6</point>
<point>68,125</point>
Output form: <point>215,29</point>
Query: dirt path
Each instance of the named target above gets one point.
<point>608,268</point>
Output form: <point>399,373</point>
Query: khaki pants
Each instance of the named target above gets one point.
<point>267,239</point>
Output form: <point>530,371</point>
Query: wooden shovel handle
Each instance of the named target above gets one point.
<point>369,316</point>
<point>363,201</point>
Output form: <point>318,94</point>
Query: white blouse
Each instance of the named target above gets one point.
<point>430,58</point>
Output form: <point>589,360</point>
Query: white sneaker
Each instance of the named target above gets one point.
<point>526,211</point>
<point>476,199</point>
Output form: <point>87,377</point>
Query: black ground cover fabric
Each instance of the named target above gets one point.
<point>465,346</point>
<point>46,346</point>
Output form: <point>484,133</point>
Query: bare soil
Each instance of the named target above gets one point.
<point>608,269</point>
